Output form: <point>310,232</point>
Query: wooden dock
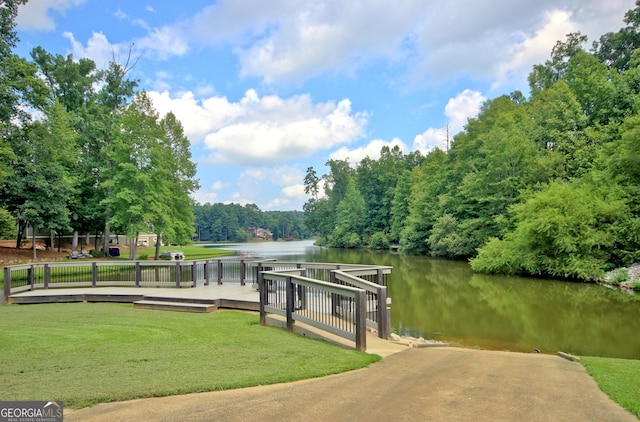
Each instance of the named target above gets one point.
<point>198,299</point>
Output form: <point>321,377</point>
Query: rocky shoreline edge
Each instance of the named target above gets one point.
<point>626,278</point>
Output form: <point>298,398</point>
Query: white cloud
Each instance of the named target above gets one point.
<point>199,117</point>
<point>219,185</point>
<point>35,15</point>
<point>331,35</point>
<point>203,197</point>
<point>535,48</point>
<point>371,150</point>
<point>295,191</point>
<point>430,139</point>
<point>98,49</point>
<point>263,130</point>
<point>458,110</point>
<point>162,43</point>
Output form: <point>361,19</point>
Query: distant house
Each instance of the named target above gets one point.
<point>260,233</point>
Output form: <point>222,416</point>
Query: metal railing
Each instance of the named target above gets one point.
<point>343,299</point>
<point>337,309</point>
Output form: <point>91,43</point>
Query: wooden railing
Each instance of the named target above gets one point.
<point>343,299</point>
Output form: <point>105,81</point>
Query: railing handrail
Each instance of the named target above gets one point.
<point>311,282</point>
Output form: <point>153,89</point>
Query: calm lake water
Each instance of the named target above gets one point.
<point>445,300</point>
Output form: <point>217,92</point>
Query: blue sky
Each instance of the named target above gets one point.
<point>267,88</point>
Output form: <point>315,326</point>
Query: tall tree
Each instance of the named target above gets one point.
<point>173,219</point>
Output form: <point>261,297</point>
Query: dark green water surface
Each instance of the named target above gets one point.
<point>447,301</point>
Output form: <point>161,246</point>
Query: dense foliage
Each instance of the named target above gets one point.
<point>83,152</point>
<point>233,222</point>
<point>546,185</point>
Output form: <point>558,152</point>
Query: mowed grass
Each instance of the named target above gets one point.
<point>618,378</point>
<point>88,353</point>
<point>191,251</point>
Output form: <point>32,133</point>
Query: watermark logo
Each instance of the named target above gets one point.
<point>31,411</point>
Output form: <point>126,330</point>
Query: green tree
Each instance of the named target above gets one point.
<point>133,197</point>
<point>350,219</point>
<point>42,183</point>
<point>566,230</point>
<point>616,48</point>
<point>544,76</point>
<point>173,218</point>
<point>428,183</point>
<point>400,206</point>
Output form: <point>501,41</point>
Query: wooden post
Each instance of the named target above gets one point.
<point>94,274</point>
<point>194,272</point>
<point>219,271</point>
<point>262,294</point>
<point>31,276</point>
<point>178,274</point>
<point>335,299</point>
<point>243,272</point>
<point>361,321</point>
<point>7,284</point>
<point>138,274</point>
<point>384,324</point>
<point>290,303</point>
<point>47,276</point>
<point>380,277</point>
<point>302,290</point>
<point>206,271</point>
<point>259,275</point>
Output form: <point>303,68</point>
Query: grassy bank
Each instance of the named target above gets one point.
<point>192,251</point>
<point>618,378</point>
<point>87,353</point>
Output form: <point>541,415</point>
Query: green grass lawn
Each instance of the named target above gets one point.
<point>88,353</point>
<point>618,378</point>
<point>191,251</point>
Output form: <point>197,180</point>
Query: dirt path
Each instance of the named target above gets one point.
<point>434,384</point>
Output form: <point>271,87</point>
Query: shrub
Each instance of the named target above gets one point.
<point>379,241</point>
<point>143,257</point>
<point>636,286</point>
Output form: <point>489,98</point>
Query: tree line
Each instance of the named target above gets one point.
<point>83,150</point>
<point>545,185</point>
<point>232,222</point>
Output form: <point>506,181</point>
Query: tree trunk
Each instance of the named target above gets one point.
<point>133,249</point>
<point>158,243</point>
<point>33,241</point>
<point>105,236</point>
<point>22,225</point>
<point>74,241</point>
